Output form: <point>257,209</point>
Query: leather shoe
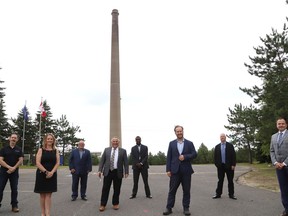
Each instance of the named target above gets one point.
<point>84,198</point>
<point>150,197</point>
<point>284,213</point>
<point>233,197</point>
<point>167,211</point>
<point>15,209</point>
<point>115,207</point>
<point>101,208</point>
<point>132,197</point>
<point>216,196</point>
<point>73,198</point>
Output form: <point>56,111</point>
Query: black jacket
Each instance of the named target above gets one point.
<point>230,159</point>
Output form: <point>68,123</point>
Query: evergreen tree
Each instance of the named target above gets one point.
<point>66,135</point>
<point>5,128</point>
<point>243,124</point>
<point>28,137</point>
<point>253,126</point>
<point>48,124</point>
<point>202,155</point>
<point>270,65</point>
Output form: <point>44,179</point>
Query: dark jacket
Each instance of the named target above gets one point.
<point>83,165</point>
<point>141,157</point>
<point>230,158</point>
<point>173,162</point>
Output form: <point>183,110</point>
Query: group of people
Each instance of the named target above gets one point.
<point>114,167</point>
<point>47,162</point>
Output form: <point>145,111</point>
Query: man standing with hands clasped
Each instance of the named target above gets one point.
<point>225,161</point>
<point>180,154</point>
<point>114,166</point>
<point>80,164</point>
<point>139,154</point>
<point>279,158</point>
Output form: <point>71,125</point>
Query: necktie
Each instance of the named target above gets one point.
<point>139,150</point>
<point>280,138</point>
<point>223,153</point>
<point>112,160</point>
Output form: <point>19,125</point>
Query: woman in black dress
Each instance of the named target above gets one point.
<point>47,162</point>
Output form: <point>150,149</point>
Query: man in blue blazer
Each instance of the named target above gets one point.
<point>279,158</point>
<point>179,169</point>
<point>80,164</point>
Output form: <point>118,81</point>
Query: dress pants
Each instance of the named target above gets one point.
<point>221,175</point>
<point>83,184</point>
<point>111,177</point>
<point>282,176</point>
<point>13,179</point>
<point>144,174</point>
<point>183,178</point>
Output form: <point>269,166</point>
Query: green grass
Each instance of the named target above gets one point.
<point>262,176</point>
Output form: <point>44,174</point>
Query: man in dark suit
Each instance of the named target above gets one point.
<point>279,158</point>
<point>139,154</point>
<point>179,169</point>
<point>80,165</point>
<point>114,166</point>
<point>225,161</point>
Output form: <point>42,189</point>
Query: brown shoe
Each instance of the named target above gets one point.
<point>15,209</point>
<point>115,207</point>
<point>102,208</point>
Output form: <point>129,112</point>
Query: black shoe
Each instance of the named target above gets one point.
<point>284,213</point>
<point>150,197</point>
<point>233,197</point>
<point>186,211</point>
<point>167,211</point>
<point>216,196</point>
<point>84,198</point>
<point>132,197</point>
<point>73,198</point>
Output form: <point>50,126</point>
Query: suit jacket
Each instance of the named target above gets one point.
<point>230,155</point>
<point>83,165</point>
<point>173,162</point>
<point>122,163</point>
<point>143,155</point>
<point>279,153</point>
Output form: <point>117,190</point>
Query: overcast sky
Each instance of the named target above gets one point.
<point>181,62</point>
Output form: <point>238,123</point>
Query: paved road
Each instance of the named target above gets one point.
<point>251,201</point>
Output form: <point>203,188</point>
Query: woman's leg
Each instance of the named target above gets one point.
<point>48,203</point>
<point>42,203</point>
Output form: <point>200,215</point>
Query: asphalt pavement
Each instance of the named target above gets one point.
<point>251,201</point>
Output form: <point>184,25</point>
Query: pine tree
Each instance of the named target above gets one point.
<point>271,65</point>
<point>5,128</point>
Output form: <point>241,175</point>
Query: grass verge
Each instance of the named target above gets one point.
<point>261,176</point>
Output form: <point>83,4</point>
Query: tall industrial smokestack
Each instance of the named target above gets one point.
<point>115,106</point>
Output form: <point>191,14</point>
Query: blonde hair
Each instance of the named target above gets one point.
<point>45,141</point>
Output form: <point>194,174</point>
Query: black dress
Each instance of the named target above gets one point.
<point>43,184</point>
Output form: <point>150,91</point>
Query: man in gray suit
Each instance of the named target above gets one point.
<point>279,158</point>
<point>114,166</point>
